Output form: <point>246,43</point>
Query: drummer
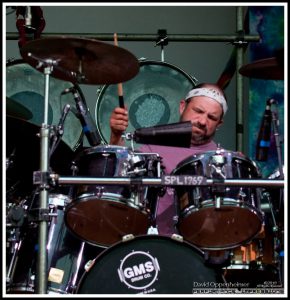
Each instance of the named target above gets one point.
<point>205,106</point>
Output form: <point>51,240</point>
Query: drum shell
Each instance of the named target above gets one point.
<point>65,259</point>
<point>157,90</point>
<point>102,214</point>
<point>218,217</point>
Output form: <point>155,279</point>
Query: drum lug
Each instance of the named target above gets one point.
<point>177,237</point>
<point>175,220</point>
<point>218,201</point>
<point>152,230</point>
<point>128,237</point>
<point>89,264</point>
<point>99,191</point>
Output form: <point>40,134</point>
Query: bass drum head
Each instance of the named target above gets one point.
<point>26,85</point>
<point>152,98</point>
<point>148,264</point>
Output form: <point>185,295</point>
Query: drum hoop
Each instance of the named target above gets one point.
<point>195,157</point>
<point>103,149</point>
<point>108,197</point>
<point>141,63</point>
<point>149,62</point>
<point>151,237</point>
<point>19,61</point>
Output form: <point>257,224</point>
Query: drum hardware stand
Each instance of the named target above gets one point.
<point>13,262</point>
<point>278,142</point>
<point>57,131</point>
<point>278,258</point>
<point>15,220</point>
<point>42,179</point>
<point>276,242</point>
<point>73,284</point>
<point>162,40</point>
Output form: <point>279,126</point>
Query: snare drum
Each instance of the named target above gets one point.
<point>218,217</point>
<point>155,90</point>
<point>102,214</point>
<point>148,264</point>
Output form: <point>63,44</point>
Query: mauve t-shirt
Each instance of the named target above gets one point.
<point>171,156</point>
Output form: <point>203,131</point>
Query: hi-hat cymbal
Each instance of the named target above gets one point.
<point>268,68</point>
<point>80,60</point>
<point>15,109</point>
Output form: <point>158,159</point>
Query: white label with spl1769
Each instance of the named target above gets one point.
<point>183,180</point>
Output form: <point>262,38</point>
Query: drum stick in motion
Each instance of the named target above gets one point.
<point>120,86</point>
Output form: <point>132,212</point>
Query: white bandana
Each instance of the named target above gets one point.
<point>211,93</point>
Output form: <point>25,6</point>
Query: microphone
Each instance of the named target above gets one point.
<point>264,136</point>
<point>28,17</point>
<point>65,111</point>
<point>175,135</point>
<point>87,122</point>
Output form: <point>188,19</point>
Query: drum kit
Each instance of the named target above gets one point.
<point>109,199</point>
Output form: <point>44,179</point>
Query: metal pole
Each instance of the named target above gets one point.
<point>41,284</point>
<point>147,37</point>
<point>167,180</point>
<point>239,81</point>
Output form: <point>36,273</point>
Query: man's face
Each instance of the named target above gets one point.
<point>205,116</point>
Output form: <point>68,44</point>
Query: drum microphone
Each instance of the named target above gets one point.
<point>65,112</point>
<point>264,137</point>
<point>175,135</point>
<point>87,122</point>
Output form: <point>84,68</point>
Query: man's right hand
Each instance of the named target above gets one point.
<point>118,124</point>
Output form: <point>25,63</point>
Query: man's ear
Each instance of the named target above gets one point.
<point>220,123</point>
<point>182,105</point>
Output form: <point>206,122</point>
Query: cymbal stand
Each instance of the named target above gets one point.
<point>57,131</point>
<point>279,252</point>
<point>162,40</point>
<point>278,142</point>
<point>42,179</point>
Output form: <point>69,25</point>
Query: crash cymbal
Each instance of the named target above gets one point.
<point>268,68</point>
<point>15,109</point>
<point>80,60</point>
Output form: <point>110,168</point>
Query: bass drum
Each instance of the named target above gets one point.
<point>152,97</point>
<point>149,264</point>
<point>26,85</point>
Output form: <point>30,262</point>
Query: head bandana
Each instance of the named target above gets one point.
<point>211,93</point>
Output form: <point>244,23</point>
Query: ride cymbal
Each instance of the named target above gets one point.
<point>80,60</point>
<point>268,68</point>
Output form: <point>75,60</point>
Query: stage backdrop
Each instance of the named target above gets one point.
<point>268,22</point>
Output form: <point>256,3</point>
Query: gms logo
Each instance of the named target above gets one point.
<point>138,270</point>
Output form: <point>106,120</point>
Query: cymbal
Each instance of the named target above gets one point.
<point>83,61</point>
<point>15,109</point>
<point>268,68</point>
<point>23,155</point>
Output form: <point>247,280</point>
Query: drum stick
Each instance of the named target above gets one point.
<point>120,86</point>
